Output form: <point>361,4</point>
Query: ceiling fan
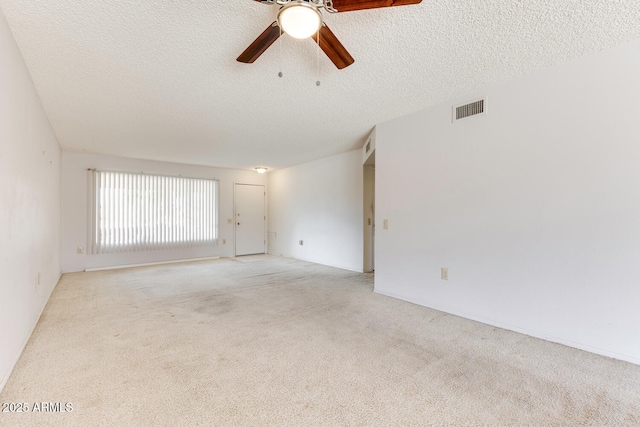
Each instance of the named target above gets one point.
<point>303,19</point>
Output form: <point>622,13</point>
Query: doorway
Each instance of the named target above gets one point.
<point>249,219</point>
<point>369,213</point>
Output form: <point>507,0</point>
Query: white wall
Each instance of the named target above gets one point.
<point>74,208</point>
<point>29,205</point>
<point>320,203</point>
<point>534,207</point>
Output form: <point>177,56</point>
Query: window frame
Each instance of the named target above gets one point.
<point>164,205</point>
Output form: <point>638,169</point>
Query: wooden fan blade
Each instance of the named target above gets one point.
<point>330,44</point>
<point>349,5</point>
<point>260,44</point>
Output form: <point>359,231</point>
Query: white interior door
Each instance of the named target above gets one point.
<point>250,219</point>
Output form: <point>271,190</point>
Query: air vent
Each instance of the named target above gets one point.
<point>368,146</point>
<point>470,109</point>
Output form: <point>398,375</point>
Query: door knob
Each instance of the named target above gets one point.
<point>238,223</point>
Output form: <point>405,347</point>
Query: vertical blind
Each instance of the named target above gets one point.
<point>139,212</point>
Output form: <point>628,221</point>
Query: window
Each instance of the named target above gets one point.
<point>140,212</point>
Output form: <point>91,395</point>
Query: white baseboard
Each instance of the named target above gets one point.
<point>115,267</point>
<point>535,334</point>
<point>6,376</point>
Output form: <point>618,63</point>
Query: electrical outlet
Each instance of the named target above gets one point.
<point>301,242</point>
<point>385,224</point>
<point>80,250</point>
<point>444,273</point>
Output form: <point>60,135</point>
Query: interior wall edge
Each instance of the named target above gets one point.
<point>535,334</point>
<point>341,267</point>
<point>334,265</point>
<point>9,371</point>
<point>146,264</point>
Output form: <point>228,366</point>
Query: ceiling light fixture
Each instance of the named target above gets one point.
<point>299,20</point>
<point>261,169</point>
<point>304,18</point>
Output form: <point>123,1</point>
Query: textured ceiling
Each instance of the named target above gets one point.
<point>159,80</point>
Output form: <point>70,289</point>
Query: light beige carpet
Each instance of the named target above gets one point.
<point>281,342</point>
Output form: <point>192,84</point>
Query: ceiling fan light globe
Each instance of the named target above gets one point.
<point>299,20</point>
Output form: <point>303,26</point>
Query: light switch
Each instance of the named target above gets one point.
<point>385,224</point>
